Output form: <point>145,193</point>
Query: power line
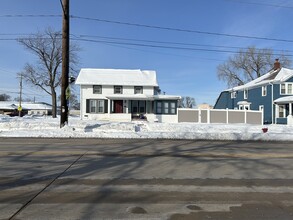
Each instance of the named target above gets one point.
<point>168,42</point>
<point>156,27</point>
<point>260,3</point>
<point>30,16</point>
<point>164,47</point>
<point>156,46</point>
<point>181,30</point>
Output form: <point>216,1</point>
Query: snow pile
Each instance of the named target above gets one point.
<point>50,127</point>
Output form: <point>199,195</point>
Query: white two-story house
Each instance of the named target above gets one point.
<point>124,95</point>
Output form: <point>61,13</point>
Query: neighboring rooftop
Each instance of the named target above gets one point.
<point>25,105</point>
<point>273,76</point>
<point>117,77</point>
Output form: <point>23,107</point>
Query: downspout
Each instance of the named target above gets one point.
<point>272,84</point>
<point>81,103</point>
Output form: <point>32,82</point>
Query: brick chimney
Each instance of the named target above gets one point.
<point>277,64</point>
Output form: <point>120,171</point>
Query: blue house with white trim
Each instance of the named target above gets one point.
<point>272,93</point>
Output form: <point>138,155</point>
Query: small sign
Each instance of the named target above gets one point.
<point>19,108</point>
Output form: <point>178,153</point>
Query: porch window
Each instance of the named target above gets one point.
<point>173,108</point>
<point>118,90</point>
<point>138,90</point>
<point>166,107</point>
<point>159,108</point>
<point>138,107</point>
<point>281,111</point>
<point>97,89</point>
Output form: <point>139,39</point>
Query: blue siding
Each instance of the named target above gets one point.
<point>256,99</point>
<point>224,101</point>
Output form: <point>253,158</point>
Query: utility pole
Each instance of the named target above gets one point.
<point>20,97</point>
<point>65,62</point>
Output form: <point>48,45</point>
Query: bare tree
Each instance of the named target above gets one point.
<point>187,102</point>
<point>248,65</point>
<point>73,101</point>
<point>46,72</point>
<point>4,97</point>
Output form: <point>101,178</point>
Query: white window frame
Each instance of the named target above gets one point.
<point>97,89</point>
<point>283,107</point>
<point>138,90</point>
<point>97,106</point>
<point>264,90</point>
<point>233,95</point>
<point>100,106</point>
<point>284,88</point>
<point>245,93</point>
<point>118,90</point>
<point>93,106</point>
<point>291,88</point>
<point>244,107</point>
<point>261,108</point>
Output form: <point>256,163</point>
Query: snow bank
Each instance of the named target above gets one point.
<point>50,128</point>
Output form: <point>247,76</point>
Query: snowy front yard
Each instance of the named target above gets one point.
<point>49,127</point>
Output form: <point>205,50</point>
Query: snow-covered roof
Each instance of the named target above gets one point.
<point>121,77</point>
<point>10,105</point>
<point>286,99</point>
<point>274,76</point>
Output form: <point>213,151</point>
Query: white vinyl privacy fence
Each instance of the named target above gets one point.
<point>227,116</point>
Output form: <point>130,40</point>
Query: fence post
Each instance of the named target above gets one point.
<point>208,116</point>
<point>199,116</point>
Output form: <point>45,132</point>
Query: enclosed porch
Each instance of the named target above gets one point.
<point>283,110</point>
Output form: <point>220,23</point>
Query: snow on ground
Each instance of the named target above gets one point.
<point>32,126</point>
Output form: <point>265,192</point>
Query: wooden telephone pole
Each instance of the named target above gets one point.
<point>20,96</point>
<point>65,62</point>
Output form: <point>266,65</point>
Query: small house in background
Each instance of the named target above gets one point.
<point>28,108</point>
<point>124,95</point>
<point>271,93</point>
<point>204,106</point>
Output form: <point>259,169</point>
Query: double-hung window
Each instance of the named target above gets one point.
<point>233,95</point>
<point>281,111</point>
<point>245,94</point>
<point>264,91</point>
<point>97,89</point>
<point>286,89</point>
<point>96,106</point>
<point>118,89</point>
<point>138,90</point>
<point>93,106</point>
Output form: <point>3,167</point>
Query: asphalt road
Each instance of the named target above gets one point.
<point>145,179</point>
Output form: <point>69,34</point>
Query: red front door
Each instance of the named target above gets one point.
<point>118,106</point>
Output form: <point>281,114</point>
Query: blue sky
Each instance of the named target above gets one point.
<point>179,72</point>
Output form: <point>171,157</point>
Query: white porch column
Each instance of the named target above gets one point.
<point>109,107</point>
<point>290,108</point>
